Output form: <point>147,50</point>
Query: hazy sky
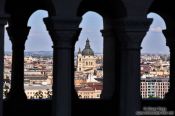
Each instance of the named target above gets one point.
<point>92,23</point>
<point>154,41</point>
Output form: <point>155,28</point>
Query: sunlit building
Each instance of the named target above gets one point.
<point>154,87</point>
<point>86,60</point>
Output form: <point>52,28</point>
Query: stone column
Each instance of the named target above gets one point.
<point>3,22</point>
<point>18,36</point>
<point>169,35</point>
<point>109,61</point>
<point>130,33</point>
<point>64,34</point>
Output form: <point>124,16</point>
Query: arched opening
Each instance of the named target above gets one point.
<point>89,57</point>
<point>38,59</point>
<point>155,58</point>
<point>7,65</point>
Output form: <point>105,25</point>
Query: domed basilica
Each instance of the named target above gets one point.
<point>86,60</point>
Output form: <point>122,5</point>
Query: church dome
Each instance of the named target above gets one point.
<point>87,51</point>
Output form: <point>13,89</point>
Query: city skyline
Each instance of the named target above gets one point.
<point>92,23</point>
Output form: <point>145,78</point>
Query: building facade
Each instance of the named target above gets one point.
<point>38,92</point>
<point>89,93</point>
<point>154,87</point>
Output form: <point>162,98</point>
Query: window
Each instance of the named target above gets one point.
<point>154,55</point>
<point>40,59</point>
<point>91,48</point>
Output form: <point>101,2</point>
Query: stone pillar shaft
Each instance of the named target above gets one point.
<point>130,33</point>
<point>17,79</point>
<point>172,70</point>
<point>169,34</point>
<point>2,7</point>
<point>109,64</point>
<point>62,81</point>
<point>130,82</point>
<point>3,21</point>
<point>18,38</point>
<point>64,34</point>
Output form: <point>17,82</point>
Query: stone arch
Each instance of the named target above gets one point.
<point>39,40</point>
<point>91,26</point>
<point>105,8</point>
<point>30,6</point>
<point>161,7</point>
<point>20,15</point>
<point>166,11</point>
<point>18,31</point>
<point>154,45</point>
<point>156,28</point>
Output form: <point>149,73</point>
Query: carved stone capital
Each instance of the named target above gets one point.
<point>18,36</point>
<point>131,31</point>
<point>132,24</point>
<point>64,32</point>
<point>107,32</point>
<point>3,20</point>
<point>55,23</point>
<point>170,38</point>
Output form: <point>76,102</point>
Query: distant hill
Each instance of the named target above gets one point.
<point>40,53</point>
<point>34,53</point>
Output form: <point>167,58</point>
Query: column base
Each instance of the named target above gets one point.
<point>16,102</point>
<point>170,96</point>
<point>16,96</point>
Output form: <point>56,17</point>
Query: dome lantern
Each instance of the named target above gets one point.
<point>87,51</point>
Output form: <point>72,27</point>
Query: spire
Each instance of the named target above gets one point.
<point>87,51</point>
<point>79,51</point>
<point>87,46</point>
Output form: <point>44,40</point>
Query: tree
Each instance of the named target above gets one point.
<point>6,90</point>
<point>39,95</point>
<point>150,96</point>
<point>49,94</point>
